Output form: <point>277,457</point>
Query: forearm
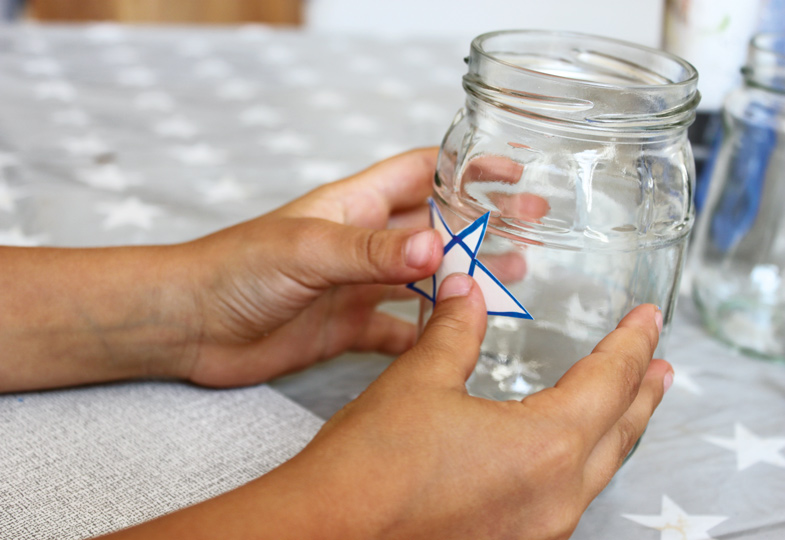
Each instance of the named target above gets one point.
<point>297,501</point>
<point>79,316</point>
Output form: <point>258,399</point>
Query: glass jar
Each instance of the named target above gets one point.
<point>738,259</point>
<point>577,145</point>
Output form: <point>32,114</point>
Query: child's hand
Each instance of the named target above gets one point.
<point>415,457</point>
<point>302,283</point>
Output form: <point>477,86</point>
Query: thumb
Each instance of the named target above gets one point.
<point>450,343</point>
<point>324,254</point>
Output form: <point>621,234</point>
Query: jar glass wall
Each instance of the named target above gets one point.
<point>577,146</point>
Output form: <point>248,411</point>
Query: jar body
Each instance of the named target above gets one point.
<point>738,258</point>
<point>585,225</point>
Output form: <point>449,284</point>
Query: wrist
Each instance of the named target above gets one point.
<point>81,316</point>
<point>172,335</point>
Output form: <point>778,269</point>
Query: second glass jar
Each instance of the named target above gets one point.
<point>577,145</point>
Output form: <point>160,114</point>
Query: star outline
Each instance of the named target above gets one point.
<point>458,240</point>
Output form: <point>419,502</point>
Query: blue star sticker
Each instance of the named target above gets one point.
<point>460,255</point>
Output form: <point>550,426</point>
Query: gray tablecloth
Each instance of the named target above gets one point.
<point>145,135</point>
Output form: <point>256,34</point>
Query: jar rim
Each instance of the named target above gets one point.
<point>581,81</point>
<point>689,69</point>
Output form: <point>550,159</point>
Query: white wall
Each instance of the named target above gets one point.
<point>639,21</point>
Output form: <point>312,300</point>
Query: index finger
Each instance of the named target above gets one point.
<point>368,198</point>
<point>599,389</point>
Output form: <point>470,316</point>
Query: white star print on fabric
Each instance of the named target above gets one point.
<point>154,101</point>
<point>137,76</point>
<point>199,154</point>
<point>364,64</point>
<point>300,77</point>
<point>7,160</point>
<point>261,115</point>
<point>130,211</point>
<point>87,145</point>
<point>105,33</point>
<point>578,320</point>
<point>460,255</point>
<point>176,127</point>
<point>236,90</point>
<point>213,68</point>
<point>227,189</point>
<point>254,32</point>
<point>394,88</point>
<point>385,150</point>
<point>683,379</point>
<point>429,112</point>
<point>55,89</point>
<point>751,449</point>
<point>33,45</point>
<point>15,237</point>
<point>328,100</point>
<point>120,55</point>
<point>194,48</point>
<point>287,142</point>
<point>71,117</point>
<point>109,177</point>
<point>320,171</point>
<point>445,76</point>
<point>278,54</point>
<point>357,123</point>
<point>675,524</point>
<point>416,56</point>
<point>43,66</point>
<point>8,196</point>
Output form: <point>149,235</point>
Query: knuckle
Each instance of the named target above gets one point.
<point>449,323</point>
<point>563,523</point>
<point>628,434</point>
<point>564,453</point>
<point>633,359</point>
<point>629,375</point>
<point>372,249</point>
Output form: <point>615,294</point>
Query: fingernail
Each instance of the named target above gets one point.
<point>667,382</point>
<point>455,285</point>
<point>419,249</point>
<point>658,319</point>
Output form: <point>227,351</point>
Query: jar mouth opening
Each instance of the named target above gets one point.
<point>591,63</point>
<point>582,81</point>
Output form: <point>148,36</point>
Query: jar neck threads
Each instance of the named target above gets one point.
<point>582,82</point>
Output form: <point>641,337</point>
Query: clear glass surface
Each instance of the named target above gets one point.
<point>738,257</point>
<point>577,146</point>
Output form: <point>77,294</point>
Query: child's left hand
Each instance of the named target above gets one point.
<point>302,283</point>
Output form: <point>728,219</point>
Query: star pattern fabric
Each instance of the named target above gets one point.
<point>460,255</point>
<point>8,196</point>
<point>15,237</point>
<point>176,127</point>
<point>675,524</point>
<point>130,211</point>
<point>88,145</point>
<point>684,378</point>
<point>751,449</point>
<point>110,177</point>
<point>199,154</point>
<point>227,189</point>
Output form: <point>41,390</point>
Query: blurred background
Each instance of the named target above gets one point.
<point>712,34</point>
